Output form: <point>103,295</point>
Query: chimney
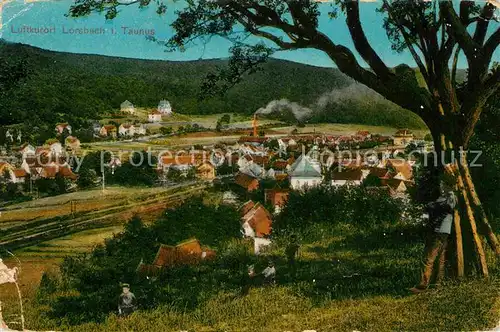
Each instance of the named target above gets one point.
<point>254,125</point>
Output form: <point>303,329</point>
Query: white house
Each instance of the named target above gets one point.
<point>27,150</point>
<point>60,127</point>
<point>305,172</point>
<point>127,107</point>
<point>164,107</point>
<point>154,116</point>
<point>126,130</point>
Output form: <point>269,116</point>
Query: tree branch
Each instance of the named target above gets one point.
<point>482,25</point>
<point>361,42</point>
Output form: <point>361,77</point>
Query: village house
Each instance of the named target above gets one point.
<point>206,171</point>
<point>61,127</point>
<point>403,137</point>
<point>27,150</point>
<point>363,135</point>
<point>55,147</point>
<point>72,144</point>
<point>277,198</point>
<point>398,187</point>
<point>126,129</point>
<point>50,171</point>
<point>248,182</point>
<point>305,173</point>
<point>185,253</point>
<point>21,175</point>
<point>164,107</point>
<point>349,176</point>
<point>108,131</point>
<point>401,169</point>
<point>154,117</point>
<point>127,107</point>
<point>248,166</point>
<point>256,220</point>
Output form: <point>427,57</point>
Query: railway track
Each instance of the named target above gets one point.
<point>44,230</point>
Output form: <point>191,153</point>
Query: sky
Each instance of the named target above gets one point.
<point>18,17</point>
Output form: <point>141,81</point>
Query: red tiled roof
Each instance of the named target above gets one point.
<point>20,173</point>
<point>277,196</point>
<point>246,181</point>
<point>246,207</point>
<point>259,219</point>
<point>382,173</point>
<point>110,127</point>
<point>348,175</point>
<point>186,252</point>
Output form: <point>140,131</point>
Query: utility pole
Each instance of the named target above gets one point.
<point>103,180</point>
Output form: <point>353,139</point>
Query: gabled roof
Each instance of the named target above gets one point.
<point>246,207</point>
<point>20,173</point>
<point>277,196</point>
<point>401,166</point>
<point>126,103</point>
<point>382,173</point>
<point>244,180</point>
<point>189,251</point>
<point>109,127</point>
<point>348,175</point>
<point>305,167</point>
<point>259,219</point>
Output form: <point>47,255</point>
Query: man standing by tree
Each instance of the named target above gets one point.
<point>440,221</point>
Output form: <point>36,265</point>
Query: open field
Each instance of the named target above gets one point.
<point>344,129</point>
<point>84,201</point>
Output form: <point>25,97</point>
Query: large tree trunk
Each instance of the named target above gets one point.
<point>471,222</point>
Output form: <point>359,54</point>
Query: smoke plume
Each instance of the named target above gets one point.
<point>284,108</point>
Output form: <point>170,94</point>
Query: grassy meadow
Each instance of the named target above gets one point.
<point>348,278</point>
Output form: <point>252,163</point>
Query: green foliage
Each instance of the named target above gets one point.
<point>211,225</point>
<point>137,171</point>
<point>333,205</point>
<point>166,130</point>
<point>96,277</point>
<point>372,181</point>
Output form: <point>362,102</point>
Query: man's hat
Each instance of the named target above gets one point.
<point>125,285</point>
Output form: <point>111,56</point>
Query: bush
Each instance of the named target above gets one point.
<point>330,205</point>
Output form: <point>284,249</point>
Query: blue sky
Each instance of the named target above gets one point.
<point>51,14</point>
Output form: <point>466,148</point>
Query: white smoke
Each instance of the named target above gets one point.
<point>357,92</point>
<point>282,106</point>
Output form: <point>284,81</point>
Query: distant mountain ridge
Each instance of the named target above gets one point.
<point>72,87</point>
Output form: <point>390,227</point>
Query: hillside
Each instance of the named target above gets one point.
<point>68,87</point>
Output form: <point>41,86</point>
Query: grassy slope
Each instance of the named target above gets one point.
<point>67,86</point>
<point>324,298</point>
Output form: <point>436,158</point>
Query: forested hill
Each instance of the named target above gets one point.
<point>67,87</point>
